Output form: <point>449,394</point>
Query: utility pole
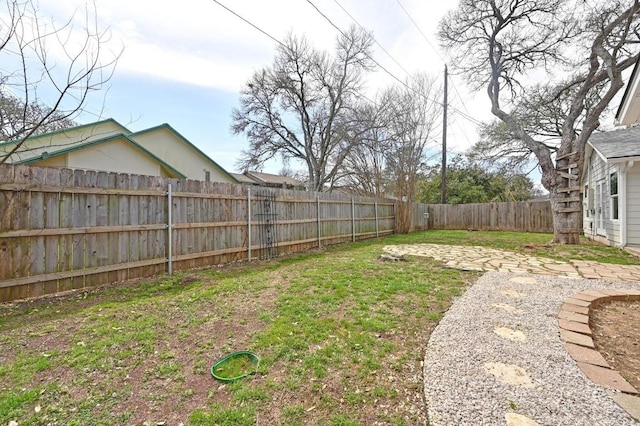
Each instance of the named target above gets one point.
<point>443,192</point>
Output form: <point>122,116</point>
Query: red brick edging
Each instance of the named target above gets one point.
<point>575,331</point>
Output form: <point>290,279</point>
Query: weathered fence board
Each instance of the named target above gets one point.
<point>524,216</point>
<point>64,229</point>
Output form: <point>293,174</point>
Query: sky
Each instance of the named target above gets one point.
<point>184,63</point>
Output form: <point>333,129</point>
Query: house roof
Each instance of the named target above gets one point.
<point>617,145</point>
<point>267,178</point>
<point>242,178</point>
<point>186,141</point>
<point>63,131</point>
<point>46,155</point>
<point>629,109</point>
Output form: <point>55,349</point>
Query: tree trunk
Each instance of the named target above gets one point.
<point>566,203</point>
<point>403,217</point>
<point>567,225</point>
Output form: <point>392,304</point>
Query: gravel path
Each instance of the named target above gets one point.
<point>496,358</point>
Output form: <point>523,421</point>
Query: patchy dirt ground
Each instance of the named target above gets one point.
<point>141,355</point>
<point>616,332</point>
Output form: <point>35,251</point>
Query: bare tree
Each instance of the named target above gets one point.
<point>14,113</point>
<point>363,170</point>
<point>503,45</point>
<point>391,152</point>
<point>48,71</point>
<point>300,107</point>
<point>414,118</point>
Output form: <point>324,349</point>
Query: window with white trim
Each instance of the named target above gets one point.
<point>586,201</point>
<point>613,192</point>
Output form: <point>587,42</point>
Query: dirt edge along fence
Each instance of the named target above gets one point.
<point>63,229</point>
<point>522,216</point>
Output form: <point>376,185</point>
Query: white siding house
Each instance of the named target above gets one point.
<point>611,187</point>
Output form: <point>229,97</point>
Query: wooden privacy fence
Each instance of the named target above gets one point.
<point>64,229</point>
<point>524,216</point>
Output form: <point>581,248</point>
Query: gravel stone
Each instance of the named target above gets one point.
<point>459,390</point>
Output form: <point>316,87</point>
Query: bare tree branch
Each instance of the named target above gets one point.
<point>55,69</point>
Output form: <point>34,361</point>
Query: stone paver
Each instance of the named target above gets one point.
<point>629,402</point>
<point>514,419</point>
<point>475,258</point>
<point>484,259</point>
<point>509,374</point>
<point>586,355</point>
<point>606,377</point>
<point>509,334</point>
<point>572,316</point>
<point>509,308</point>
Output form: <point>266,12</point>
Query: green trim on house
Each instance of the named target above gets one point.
<point>46,155</point>
<point>185,140</point>
<point>61,131</point>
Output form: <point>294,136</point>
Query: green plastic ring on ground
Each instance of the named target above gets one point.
<point>219,366</point>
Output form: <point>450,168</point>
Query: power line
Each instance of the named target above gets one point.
<point>420,31</point>
<point>415,24</point>
<point>464,115</point>
<point>374,39</point>
<point>272,37</point>
<point>368,55</point>
<point>254,26</point>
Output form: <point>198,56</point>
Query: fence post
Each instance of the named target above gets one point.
<point>319,224</point>
<point>353,220</point>
<point>170,228</point>
<point>395,218</point>
<point>375,204</point>
<point>249,224</point>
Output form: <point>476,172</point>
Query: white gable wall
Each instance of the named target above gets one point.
<point>114,156</point>
<point>172,150</point>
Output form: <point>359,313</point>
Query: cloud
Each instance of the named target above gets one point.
<point>199,43</point>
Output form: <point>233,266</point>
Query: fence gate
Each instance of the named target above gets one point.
<point>267,224</point>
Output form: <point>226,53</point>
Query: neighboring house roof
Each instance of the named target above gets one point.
<point>208,159</point>
<point>268,179</point>
<point>274,180</point>
<point>617,145</point>
<point>87,126</point>
<point>629,109</point>
<point>172,172</point>
<point>242,178</point>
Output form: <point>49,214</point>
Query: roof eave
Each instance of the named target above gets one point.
<point>618,160</point>
<point>630,94</point>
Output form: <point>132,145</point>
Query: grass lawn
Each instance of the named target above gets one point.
<point>340,334</point>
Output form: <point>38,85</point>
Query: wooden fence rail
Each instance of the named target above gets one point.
<point>64,229</point>
<point>525,216</point>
